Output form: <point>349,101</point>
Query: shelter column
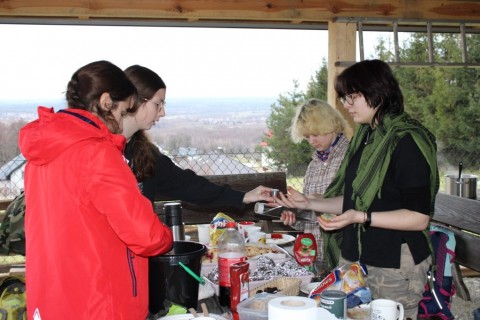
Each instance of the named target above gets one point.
<point>341,47</point>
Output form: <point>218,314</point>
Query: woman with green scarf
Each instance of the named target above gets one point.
<point>384,193</point>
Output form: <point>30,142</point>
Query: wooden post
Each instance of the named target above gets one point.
<point>341,47</point>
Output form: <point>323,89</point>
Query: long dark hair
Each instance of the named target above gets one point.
<point>144,151</point>
<point>92,80</point>
<point>374,79</point>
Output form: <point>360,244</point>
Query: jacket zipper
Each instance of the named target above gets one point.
<point>130,258</point>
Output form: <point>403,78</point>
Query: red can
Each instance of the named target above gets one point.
<point>239,285</point>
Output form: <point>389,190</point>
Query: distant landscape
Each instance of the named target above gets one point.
<point>203,123</point>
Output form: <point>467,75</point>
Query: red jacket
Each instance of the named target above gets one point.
<point>88,228</point>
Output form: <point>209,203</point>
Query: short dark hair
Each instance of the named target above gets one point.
<point>374,79</point>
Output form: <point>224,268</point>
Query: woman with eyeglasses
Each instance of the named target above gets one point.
<point>157,176</point>
<point>384,193</point>
<point>89,230</point>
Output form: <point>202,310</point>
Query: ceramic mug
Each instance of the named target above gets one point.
<point>241,227</point>
<point>250,229</point>
<point>384,309</point>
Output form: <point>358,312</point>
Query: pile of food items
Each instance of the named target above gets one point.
<point>348,278</point>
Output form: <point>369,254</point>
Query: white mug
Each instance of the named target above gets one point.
<point>250,229</point>
<point>242,225</point>
<point>384,309</point>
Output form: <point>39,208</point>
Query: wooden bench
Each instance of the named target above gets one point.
<point>462,216</point>
<point>201,214</point>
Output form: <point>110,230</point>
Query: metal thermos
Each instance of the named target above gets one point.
<point>173,219</point>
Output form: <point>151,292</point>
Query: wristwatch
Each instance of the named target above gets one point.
<point>368,221</point>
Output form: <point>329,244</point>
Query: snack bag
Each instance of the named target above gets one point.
<point>217,227</point>
<point>305,250</point>
<point>352,277</point>
<point>353,284</point>
<point>332,282</point>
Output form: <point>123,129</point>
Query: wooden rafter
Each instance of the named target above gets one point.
<point>293,12</point>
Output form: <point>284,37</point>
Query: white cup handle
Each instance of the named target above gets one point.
<point>400,310</point>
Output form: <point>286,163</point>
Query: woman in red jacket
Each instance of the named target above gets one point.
<point>90,230</point>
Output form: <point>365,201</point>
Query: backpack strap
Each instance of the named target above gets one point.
<point>433,267</point>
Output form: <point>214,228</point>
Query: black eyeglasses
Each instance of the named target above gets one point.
<point>349,98</point>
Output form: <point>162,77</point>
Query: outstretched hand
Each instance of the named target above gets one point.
<point>260,193</point>
<point>293,199</point>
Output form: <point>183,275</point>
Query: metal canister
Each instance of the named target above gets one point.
<point>335,301</point>
<point>173,219</point>
<point>274,193</point>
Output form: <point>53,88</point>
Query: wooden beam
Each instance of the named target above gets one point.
<point>282,11</point>
<point>341,46</point>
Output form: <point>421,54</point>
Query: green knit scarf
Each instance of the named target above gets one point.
<point>373,166</point>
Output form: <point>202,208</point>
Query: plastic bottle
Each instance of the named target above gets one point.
<point>319,264</point>
<point>231,249</point>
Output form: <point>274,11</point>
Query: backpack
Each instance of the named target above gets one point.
<point>12,228</point>
<point>436,301</point>
<point>13,300</point>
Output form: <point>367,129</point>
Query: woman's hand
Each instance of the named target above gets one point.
<point>341,220</point>
<point>293,199</point>
<point>260,193</point>
<point>288,218</point>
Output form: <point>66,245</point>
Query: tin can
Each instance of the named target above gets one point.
<point>274,193</point>
<point>335,301</point>
<point>240,285</point>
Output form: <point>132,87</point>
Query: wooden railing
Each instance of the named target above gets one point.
<point>200,214</point>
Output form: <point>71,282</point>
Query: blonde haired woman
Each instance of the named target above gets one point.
<point>323,127</point>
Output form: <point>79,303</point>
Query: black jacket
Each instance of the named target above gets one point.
<point>171,182</point>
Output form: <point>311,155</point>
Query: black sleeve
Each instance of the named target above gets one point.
<point>412,174</point>
<point>173,182</point>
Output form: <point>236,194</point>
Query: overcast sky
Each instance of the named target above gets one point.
<point>36,62</point>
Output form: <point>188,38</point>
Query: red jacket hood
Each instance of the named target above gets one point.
<point>52,133</point>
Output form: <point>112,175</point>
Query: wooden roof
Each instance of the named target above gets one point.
<point>279,13</point>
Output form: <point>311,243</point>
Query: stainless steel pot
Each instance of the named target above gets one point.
<point>465,187</point>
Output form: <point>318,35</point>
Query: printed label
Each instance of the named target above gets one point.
<point>224,269</point>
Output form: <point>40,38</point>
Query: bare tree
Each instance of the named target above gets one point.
<point>9,140</point>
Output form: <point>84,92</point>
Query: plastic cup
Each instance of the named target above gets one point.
<point>204,233</point>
